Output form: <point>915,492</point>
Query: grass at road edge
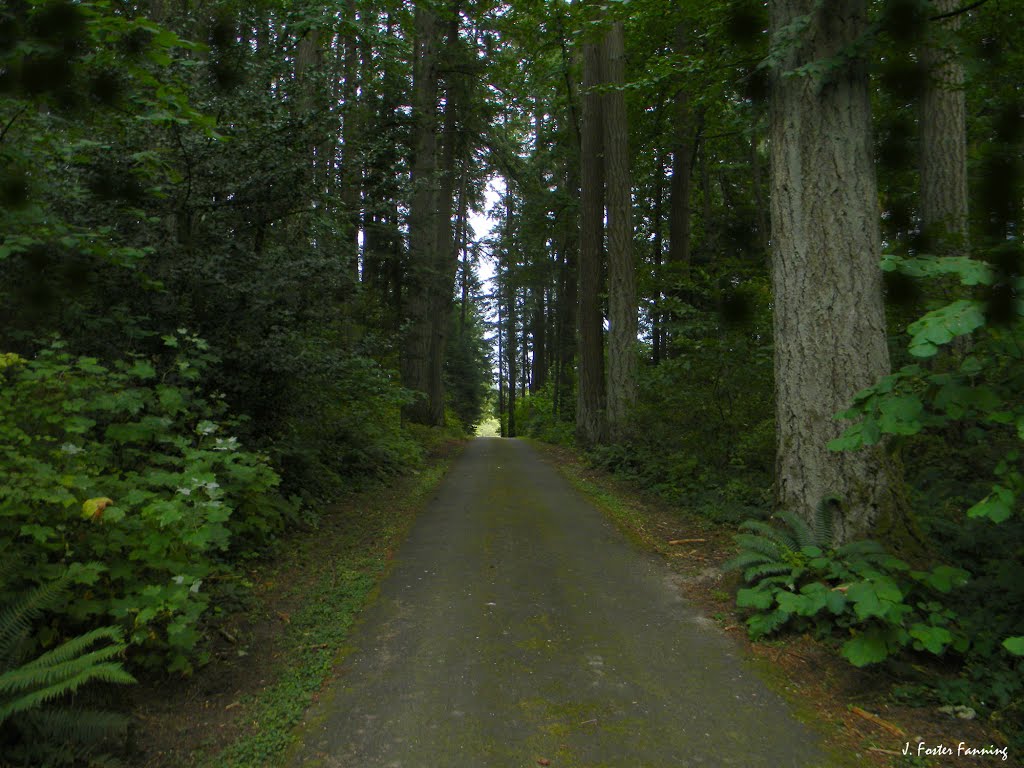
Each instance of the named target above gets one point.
<point>352,565</point>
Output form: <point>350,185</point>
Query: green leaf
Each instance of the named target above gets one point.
<point>41,533</point>
<point>901,415</point>
<point>142,370</point>
<point>865,600</point>
<point>866,648</point>
<point>997,506</point>
<point>944,578</point>
<point>1015,645</point>
<point>932,639</point>
<point>835,601</point>
<point>762,624</point>
<point>754,598</point>
<point>90,365</point>
<point>942,325</point>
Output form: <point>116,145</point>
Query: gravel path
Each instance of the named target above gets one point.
<point>518,627</point>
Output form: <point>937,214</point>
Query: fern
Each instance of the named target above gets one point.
<point>66,725</point>
<point>771,532</point>
<point>29,689</point>
<point>745,560</point>
<point>752,543</point>
<point>16,619</point>
<point>758,572</point>
<point>824,516</point>
<point>802,533</point>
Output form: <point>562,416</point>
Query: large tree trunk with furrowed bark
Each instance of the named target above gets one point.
<point>944,141</point>
<point>829,320</point>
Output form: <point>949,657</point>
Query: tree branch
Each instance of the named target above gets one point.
<point>958,11</point>
<point>10,122</point>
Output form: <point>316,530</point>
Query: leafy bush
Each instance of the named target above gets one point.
<point>535,417</point>
<point>874,601</point>
<point>125,477</point>
<point>37,727</point>
<point>979,389</point>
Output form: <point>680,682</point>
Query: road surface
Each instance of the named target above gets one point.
<point>518,626</point>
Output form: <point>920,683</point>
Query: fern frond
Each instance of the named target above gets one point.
<point>74,648</point>
<point>110,672</point>
<point>25,678</point>
<point>755,543</point>
<point>824,520</point>
<point>773,532</point>
<point>746,559</point>
<point>16,618</point>
<point>802,533</point>
<point>782,579</point>
<point>69,725</point>
<point>758,572</point>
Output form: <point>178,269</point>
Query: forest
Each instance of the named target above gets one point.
<point>761,259</point>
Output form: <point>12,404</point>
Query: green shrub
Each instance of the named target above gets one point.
<point>126,478</point>
<point>874,602</point>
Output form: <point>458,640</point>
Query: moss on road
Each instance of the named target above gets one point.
<point>519,626</point>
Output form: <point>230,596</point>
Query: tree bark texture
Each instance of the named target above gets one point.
<point>590,397</point>
<point>829,323</point>
<point>622,304</point>
<point>944,141</point>
<point>424,272</point>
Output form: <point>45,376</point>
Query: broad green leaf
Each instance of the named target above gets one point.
<point>997,506</point>
<point>901,415</point>
<point>932,639</point>
<point>866,648</point>
<point>762,624</point>
<point>944,578</point>
<point>835,601</point>
<point>1015,645</point>
<point>754,598</point>
<point>942,325</point>
<point>142,370</point>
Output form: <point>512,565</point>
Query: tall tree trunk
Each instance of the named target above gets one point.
<point>503,429</point>
<point>351,174</point>
<point>622,304</point>
<point>511,350</point>
<point>417,367</point>
<point>682,169</point>
<point>944,142</point>
<point>568,261</point>
<point>590,388</point>
<point>657,248</point>
<point>829,322</point>
<point>538,333</point>
<point>444,249</point>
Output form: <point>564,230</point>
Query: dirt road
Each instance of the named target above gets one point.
<point>518,627</point>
